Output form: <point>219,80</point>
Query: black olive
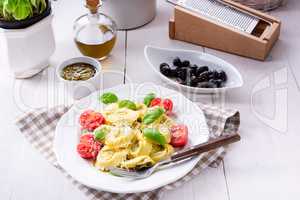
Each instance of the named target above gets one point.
<point>194,81</point>
<point>185,63</point>
<point>213,75</point>
<point>177,62</point>
<point>193,70</point>
<point>182,73</point>
<point>222,75</point>
<point>165,69</point>
<point>163,65</point>
<point>202,69</point>
<point>203,77</point>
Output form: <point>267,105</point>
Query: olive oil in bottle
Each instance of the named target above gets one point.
<point>95,33</point>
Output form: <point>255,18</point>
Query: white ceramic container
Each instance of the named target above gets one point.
<point>155,56</point>
<point>80,89</point>
<point>28,50</point>
<point>129,14</point>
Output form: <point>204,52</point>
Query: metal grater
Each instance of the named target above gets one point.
<point>221,12</point>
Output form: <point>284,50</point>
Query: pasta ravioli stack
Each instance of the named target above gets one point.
<point>130,135</point>
<point>125,145</point>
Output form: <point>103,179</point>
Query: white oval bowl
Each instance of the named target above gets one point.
<point>156,55</point>
<point>67,136</point>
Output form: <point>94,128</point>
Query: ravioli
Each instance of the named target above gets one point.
<point>125,145</point>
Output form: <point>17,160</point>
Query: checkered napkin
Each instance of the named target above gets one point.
<point>38,127</point>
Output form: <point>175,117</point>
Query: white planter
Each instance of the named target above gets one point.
<point>28,50</point>
<point>129,14</point>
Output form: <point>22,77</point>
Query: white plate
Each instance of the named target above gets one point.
<point>155,56</point>
<point>67,136</point>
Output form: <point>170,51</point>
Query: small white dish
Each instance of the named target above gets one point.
<point>155,56</point>
<point>67,136</point>
<point>79,89</point>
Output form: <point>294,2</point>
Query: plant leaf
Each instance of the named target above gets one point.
<point>1,8</point>
<point>34,3</point>
<point>43,5</point>
<point>23,10</point>
<point>10,5</point>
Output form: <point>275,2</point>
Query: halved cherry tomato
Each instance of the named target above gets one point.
<point>88,148</point>
<point>87,139</point>
<point>179,135</point>
<point>155,102</point>
<point>168,105</point>
<point>91,120</point>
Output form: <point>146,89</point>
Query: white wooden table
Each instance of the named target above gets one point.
<point>264,165</point>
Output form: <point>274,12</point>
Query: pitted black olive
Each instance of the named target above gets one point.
<point>177,62</point>
<point>222,75</point>
<point>202,69</point>
<point>213,75</point>
<point>182,73</point>
<point>165,69</point>
<point>204,76</point>
<point>185,63</point>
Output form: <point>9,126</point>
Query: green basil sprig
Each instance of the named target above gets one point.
<point>148,99</point>
<point>154,135</point>
<point>100,133</point>
<point>127,104</point>
<point>152,115</point>
<point>108,98</point>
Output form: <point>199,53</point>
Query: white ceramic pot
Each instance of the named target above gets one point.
<point>129,14</point>
<point>80,89</point>
<point>28,50</point>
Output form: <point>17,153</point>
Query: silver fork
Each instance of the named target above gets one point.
<point>178,157</point>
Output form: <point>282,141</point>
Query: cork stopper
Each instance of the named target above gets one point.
<point>93,5</point>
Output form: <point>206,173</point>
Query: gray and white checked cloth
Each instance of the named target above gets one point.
<point>38,126</point>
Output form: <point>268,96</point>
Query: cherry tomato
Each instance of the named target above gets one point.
<point>155,102</point>
<point>168,105</point>
<point>87,139</point>
<point>88,148</point>
<point>179,135</point>
<point>91,120</point>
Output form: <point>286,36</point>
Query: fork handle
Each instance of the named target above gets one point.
<point>207,146</point>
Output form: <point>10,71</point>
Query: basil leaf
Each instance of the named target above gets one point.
<point>127,104</point>
<point>149,98</point>
<point>100,133</point>
<point>108,98</point>
<point>153,115</point>
<point>154,135</point>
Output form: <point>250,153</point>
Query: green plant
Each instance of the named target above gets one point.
<point>11,10</point>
